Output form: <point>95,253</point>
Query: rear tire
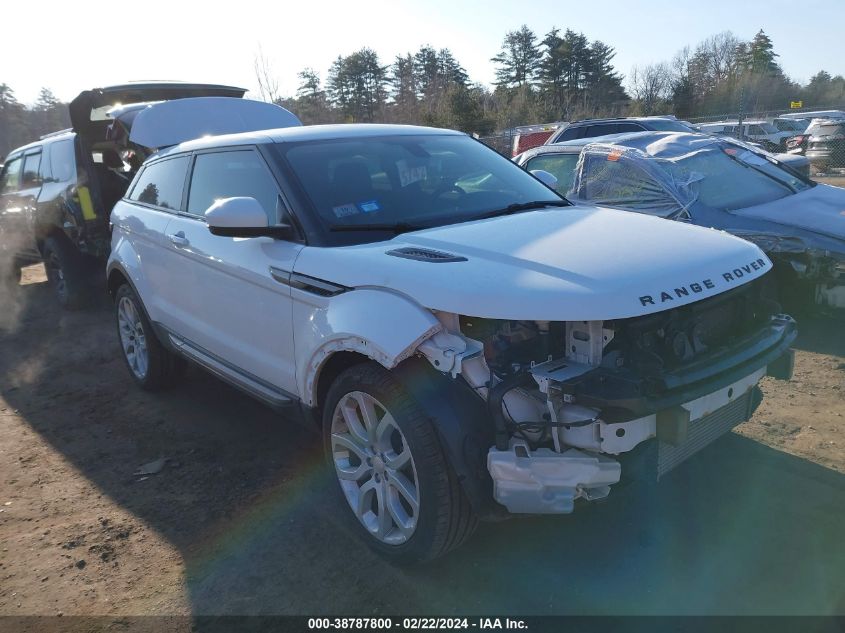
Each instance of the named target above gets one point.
<point>151,365</point>
<point>395,484</point>
<point>66,272</point>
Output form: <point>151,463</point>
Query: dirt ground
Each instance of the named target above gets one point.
<point>238,521</point>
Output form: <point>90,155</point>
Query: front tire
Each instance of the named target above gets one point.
<point>151,365</point>
<point>395,482</point>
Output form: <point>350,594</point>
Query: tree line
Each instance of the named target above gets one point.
<point>20,124</point>
<point>724,74</point>
<point>559,76</point>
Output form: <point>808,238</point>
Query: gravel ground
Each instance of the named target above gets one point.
<point>238,520</point>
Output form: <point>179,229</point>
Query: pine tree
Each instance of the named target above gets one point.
<point>310,105</point>
<point>403,81</point>
<point>762,55</point>
<point>356,84</point>
<point>519,58</point>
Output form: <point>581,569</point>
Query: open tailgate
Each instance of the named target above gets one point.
<point>167,123</point>
<point>88,111</point>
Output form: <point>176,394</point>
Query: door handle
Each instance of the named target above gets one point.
<point>178,239</point>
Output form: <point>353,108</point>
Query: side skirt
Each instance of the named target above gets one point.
<point>246,382</point>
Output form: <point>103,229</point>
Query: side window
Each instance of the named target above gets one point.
<point>561,166</point>
<point>628,127</point>
<point>756,130</point>
<point>31,163</point>
<point>11,176</point>
<point>229,175</point>
<point>63,161</point>
<point>161,183</point>
<point>600,130</point>
<point>569,134</point>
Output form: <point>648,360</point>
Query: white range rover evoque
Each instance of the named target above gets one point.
<point>470,344</point>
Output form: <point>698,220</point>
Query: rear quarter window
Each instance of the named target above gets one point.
<point>827,129</point>
<point>161,183</point>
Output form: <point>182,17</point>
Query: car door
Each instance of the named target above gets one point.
<point>142,219</point>
<point>237,315</point>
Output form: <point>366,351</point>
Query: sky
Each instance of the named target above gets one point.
<point>71,46</point>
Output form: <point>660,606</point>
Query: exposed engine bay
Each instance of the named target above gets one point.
<point>566,397</point>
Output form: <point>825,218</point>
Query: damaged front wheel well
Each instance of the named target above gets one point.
<point>331,369</point>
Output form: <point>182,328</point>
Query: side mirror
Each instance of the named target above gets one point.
<point>545,177</point>
<point>243,217</point>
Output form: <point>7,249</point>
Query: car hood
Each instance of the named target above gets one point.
<point>559,264</point>
<point>820,209</point>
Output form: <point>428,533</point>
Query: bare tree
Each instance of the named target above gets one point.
<point>651,86</point>
<point>268,84</point>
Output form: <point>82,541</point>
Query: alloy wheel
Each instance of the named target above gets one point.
<point>375,468</point>
<point>132,337</point>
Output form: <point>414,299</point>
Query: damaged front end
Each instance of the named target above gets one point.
<point>568,400</point>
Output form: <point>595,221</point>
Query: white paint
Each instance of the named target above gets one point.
<point>579,263</point>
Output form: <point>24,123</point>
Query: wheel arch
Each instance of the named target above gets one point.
<point>365,324</point>
<point>116,278</point>
<point>330,369</point>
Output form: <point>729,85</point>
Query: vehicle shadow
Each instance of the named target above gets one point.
<point>739,529</point>
<point>821,334</point>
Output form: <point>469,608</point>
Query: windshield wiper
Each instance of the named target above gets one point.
<point>399,227</point>
<point>517,207</point>
<point>786,185</point>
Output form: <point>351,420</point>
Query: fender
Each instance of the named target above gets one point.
<point>382,325</point>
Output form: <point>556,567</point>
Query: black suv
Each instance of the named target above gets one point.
<point>56,194</point>
<point>589,128</point>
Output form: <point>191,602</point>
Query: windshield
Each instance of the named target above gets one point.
<point>768,128</point>
<point>736,178</point>
<point>668,125</point>
<point>408,181</point>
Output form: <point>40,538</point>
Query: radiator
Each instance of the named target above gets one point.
<point>706,430</point>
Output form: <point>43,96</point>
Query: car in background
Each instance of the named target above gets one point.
<point>793,126</point>
<point>590,128</point>
<point>759,131</point>
<point>815,114</point>
<point>56,193</point>
<point>826,144</point>
<point>714,182</point>
<point>526,137</point>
